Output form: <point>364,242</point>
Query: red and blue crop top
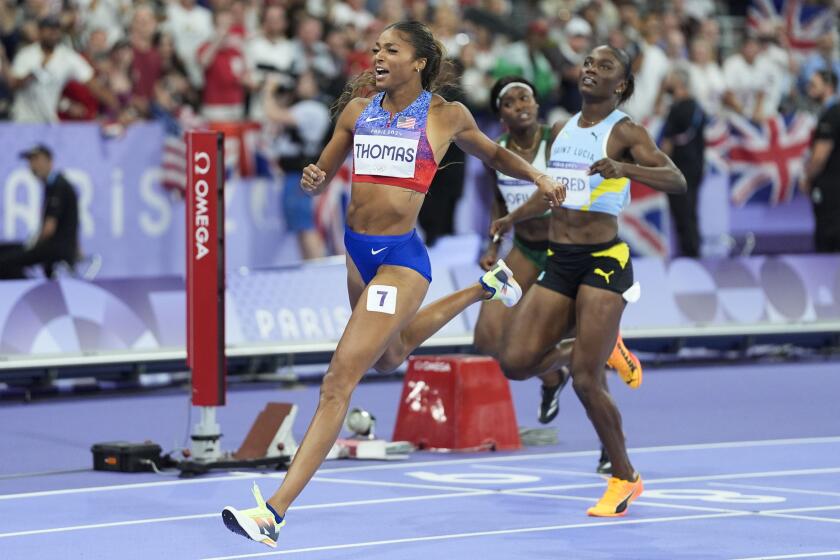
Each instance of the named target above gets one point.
<point>393,149</point>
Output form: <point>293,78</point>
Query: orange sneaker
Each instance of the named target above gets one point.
<point>626,364</point>
<point>619,495</point>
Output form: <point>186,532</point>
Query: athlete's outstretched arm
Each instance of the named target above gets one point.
<point>469,138</point>
<point>317,176</point>
<point>652,167</point>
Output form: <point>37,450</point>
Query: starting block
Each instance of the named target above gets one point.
<point>456,402</point>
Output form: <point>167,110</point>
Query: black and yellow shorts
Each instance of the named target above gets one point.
<point>605,265</point>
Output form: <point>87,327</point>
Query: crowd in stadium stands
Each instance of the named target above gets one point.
<point>119,61</point>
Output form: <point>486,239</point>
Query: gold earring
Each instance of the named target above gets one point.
<point>417,69</point>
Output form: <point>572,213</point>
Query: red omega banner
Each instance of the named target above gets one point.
<point>205,267</point>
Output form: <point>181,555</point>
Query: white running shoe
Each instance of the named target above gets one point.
<point>499,282</point>
<point>257,524</point>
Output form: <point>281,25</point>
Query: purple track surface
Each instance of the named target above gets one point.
<point>740,462</point>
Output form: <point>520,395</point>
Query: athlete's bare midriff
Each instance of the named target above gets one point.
<point>582,228</point>
<point>535,229</point>
<point>383,209</point>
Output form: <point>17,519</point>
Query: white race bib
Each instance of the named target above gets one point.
<point>515,192</point>
<point>387,152</point>
<point>575,177</point>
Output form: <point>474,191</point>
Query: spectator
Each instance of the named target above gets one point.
<point>190,25</point>
<point>119,81</point>
<point>630,20</point>
<point>822,170</point>
<point>225,74</point>
<point>169,59</point>
<point>752,82</point>
<point>437,215</point>
<point>478,58</point>
<point>270,52</point>
<point>445,27</point>
<point>303,124</point>
<point>776,53</point>
<point>652,69</point>
<point>107,15</point>
<point>706,77</point>
<point>391,11</point>
<point>526,59</point>
<point>146,65</point>
<point>574,45</point>
<point>683,141</point>
<point>311,53</point>
<point>41,70</point>
<point>57,241</point>
<point>824,58</point>
<point>352,13</point>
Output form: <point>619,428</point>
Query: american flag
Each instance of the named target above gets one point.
<point>802,21</point>
<point>766,161</point>
<point>174,159</point>
<point>330,207</point>
<point>406,122</point>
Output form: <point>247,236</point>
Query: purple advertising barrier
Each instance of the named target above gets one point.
<point>306,309</point>
<point>61,322</point>
<point>125,216</point>
<point>44,323</point>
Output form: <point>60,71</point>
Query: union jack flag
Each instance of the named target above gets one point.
<point>803,22</point>
<point>406,122</point>
<point>645,223</point>
<point>766,161</point>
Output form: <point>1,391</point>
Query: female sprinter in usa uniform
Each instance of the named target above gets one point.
<point>512,99</point>
<point>595,155</point>
<point>397,139</point>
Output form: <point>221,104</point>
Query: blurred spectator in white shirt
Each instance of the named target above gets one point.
<point>270,52</point>
<point>351,12</point>
<point>478,57</point>
<point>651,72</point>
<point>752,82</point>
<point>191,25</point>
<point>41,70</point>
<point>109,15</point>
<point>706,77</point>
<point>574,44</point>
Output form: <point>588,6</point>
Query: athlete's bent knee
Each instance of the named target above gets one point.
<point>390,361</point>
<point>586,386</point>
<point>516,364</point>
<point>336,389</point>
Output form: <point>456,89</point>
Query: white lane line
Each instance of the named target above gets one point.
<point>395,484</point>
<point>790,556</point>
<point>641,502</point>
<point>805,517</point>
<point>482,534</point>
<point>803,509</point>
<point>390,466</point>
<point>700,478</point>
<point>543,471</point>
<point>355,503</point>
<point>776,489</point>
